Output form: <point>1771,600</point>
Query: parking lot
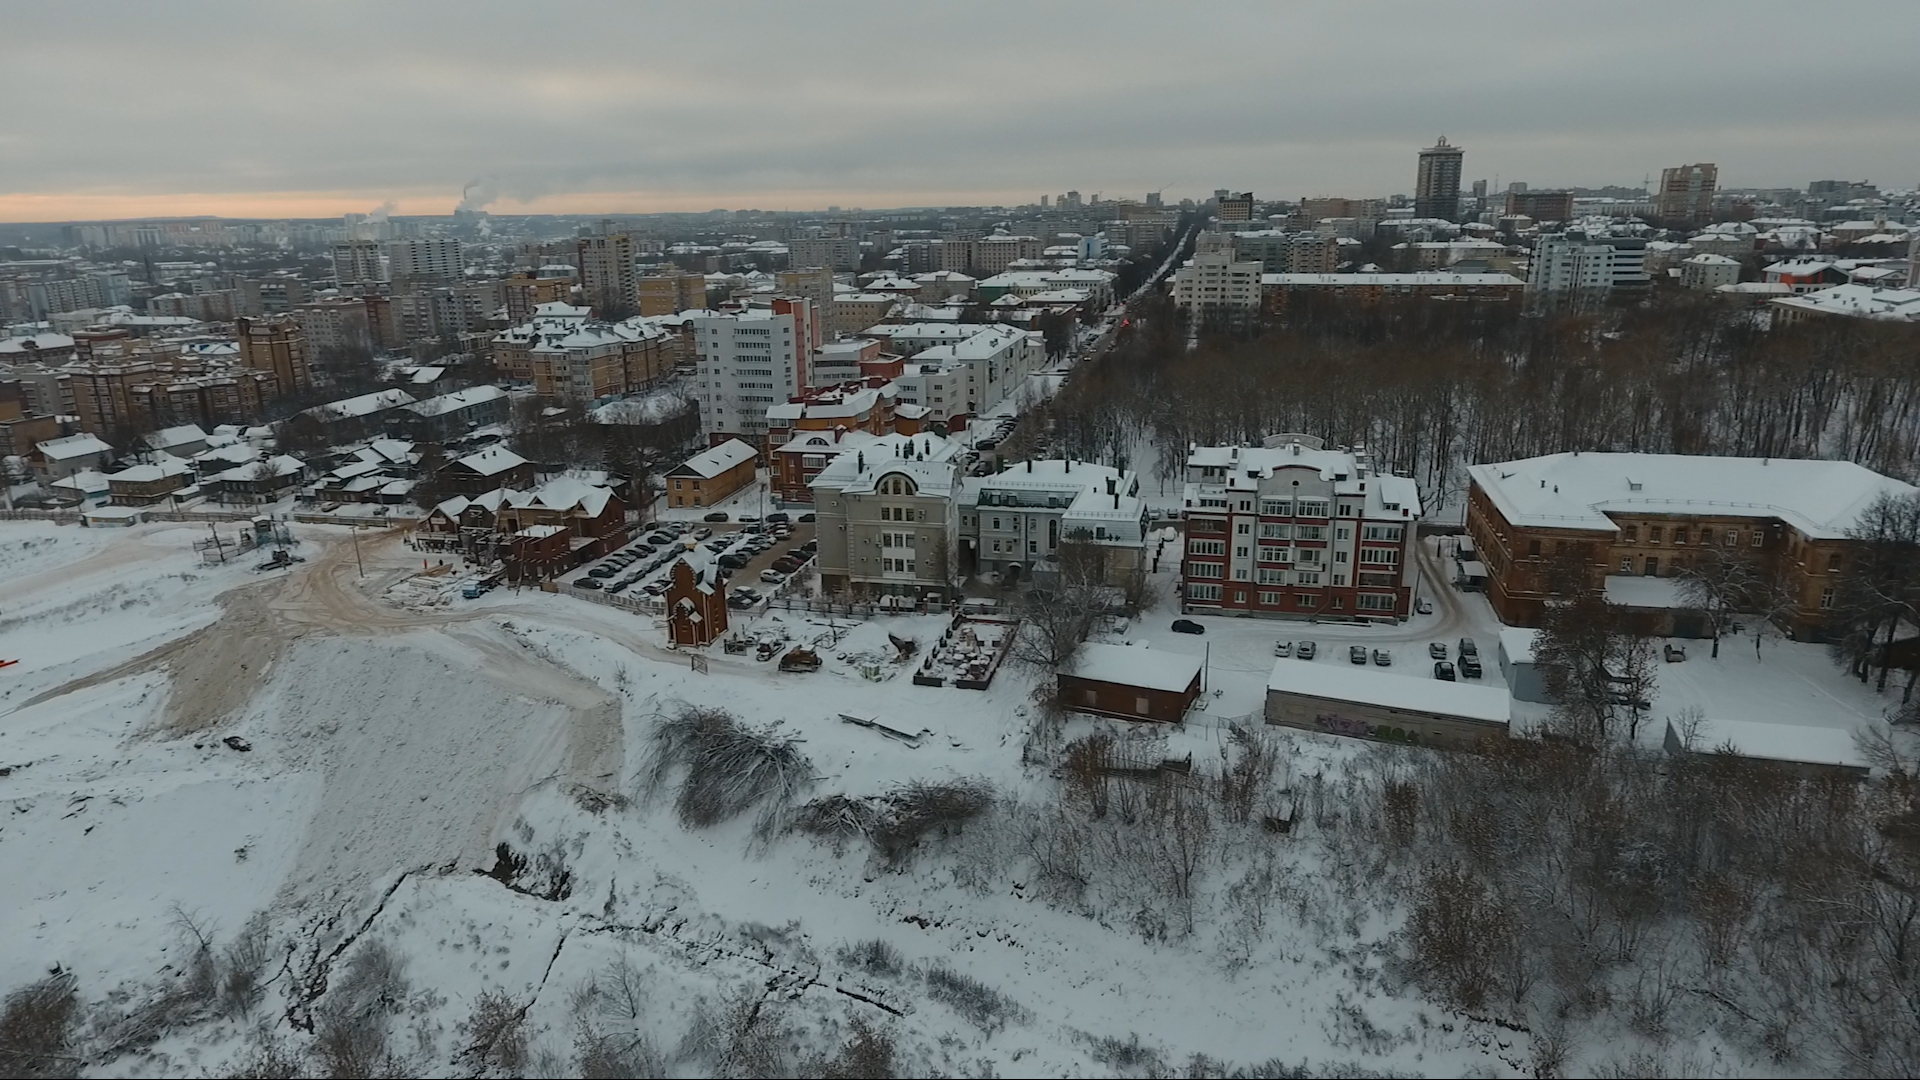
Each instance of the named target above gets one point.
<point>646,574</point>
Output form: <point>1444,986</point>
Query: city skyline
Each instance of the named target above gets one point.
<point>667,110</point>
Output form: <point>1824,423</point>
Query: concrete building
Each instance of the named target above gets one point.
<point>1573,268</point>
<point>971,376</point>
<point>412,263</point>
<point>587,361</point>
<point>278,345</point>
<point>358,262</point>
<point>1015,521</point>
<point>1287,529</point>
<point>1686,194</point>
<point>840,253</point>
<point>1338,699</point>
<point>1235,207</point>
<point>748,361</point>
<point>1436,185</point>
<point>1641,515</point>
<point>711,476</point>
<point>1130,683</point>
<point>1279,291</point>
<point>1215,283</point>
<point>335,324</point>
<point>608,281</point>
<point>1706,272</point>
<point>1850,302</point>
<point>888,520</point>
<point>670,292</point>
<point>805,433</point>
<point>1540,205</point>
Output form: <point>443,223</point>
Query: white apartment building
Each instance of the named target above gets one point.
<point>358,262</point>
<point>1020,517</point>
<point>425,260</point>
<point>974,374</point>
<point>749,361</point>
<point>888,520</point>
<point>1573,265</point>
<point>1708,272</point>
<point>1214,281</point>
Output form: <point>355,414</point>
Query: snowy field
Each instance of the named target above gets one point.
<point>337,758</point>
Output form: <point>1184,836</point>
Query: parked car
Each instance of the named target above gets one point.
<point>659,538</point>
<point>1437,650</point>
<point>806,517</point>
<point>785,566</point>
<point>733,561</point>
<point>1423,606</point>
<point>702,533</point>
<point>1470,668</point>
<point>1468,648</point>
<point>717,515</point>
<point>654,588</point>
<point>604,570</point>
<point>618,587</point>
<point>779,518</point>
<point>1675,653</point>
<point>1357,654</point>
<point>1283,648</point>
<point>1383,658</point>
<point>1187,626</point>
<point>1306,650</point>
<point>749,519</point>
<point>586,583</point>
<point>772,577</point>
<point>1443,671</point>
<point>810,546</point>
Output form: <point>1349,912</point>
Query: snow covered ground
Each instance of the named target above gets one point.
<point>389,737</point>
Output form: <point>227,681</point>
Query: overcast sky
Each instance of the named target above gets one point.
<point>257,109</point>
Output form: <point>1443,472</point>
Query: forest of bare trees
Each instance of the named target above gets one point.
<point>1429,386</point>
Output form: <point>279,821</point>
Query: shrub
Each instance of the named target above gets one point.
<point>37,1029</point>
<point>729,768</point>
<point>981,1005</point>
<point>873,956</point>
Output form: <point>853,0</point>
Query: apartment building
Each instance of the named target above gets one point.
<point>436,261</point>
<point>358,262</point>
<point>670,293</point>
<point>974,374</point>
<point>840,253</point>
<point>1572,267</point>
<point>335,324</point>
<point>582,362</point>
<point>1235,207</point>
<point>1686,193</point>
<point>888,522</point>
<point>1706,272</point>
<point>805,435</point>
<point>608,280</point>
<point>276,344</point>
<point>523,294</point>
<point>1288,529</point>
<point>994,254</point>
<point>1214,282</point>
<point>1014,522</point>
<point>1540,205</point>
<point>1645,515</point>
<point>1436,185</point>
<point>748,361</point>
<point>513,347</point>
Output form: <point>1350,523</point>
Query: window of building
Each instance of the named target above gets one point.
<point>1312,508</point>
<point>1276,554</point>
<point>1757,536</point>
<point>1833,564</point>
<point>1826,598</point>
<point>1343,533</point>
<point>1346,509</point>
<point>1340,556</point>
<point>1380,556</point>
<point>1626,565</point>
<point>1653,566</point>
<point>996,523</point>
<point>1309,532</point>
<point>1205,570</point>
<point>1630,534</point>
<point>1339,603</point>
<point>1240,551</point>
<point>1243,528</point>
<point>1240,596</point>
<point>1310,556</point>
<point>1732,537</point>
<point>1270,599</point>
<point>1306,577</point>
<point>1272,531</point>
<point>1679,536</point>
<point>1206,547</point>
<point>1033,547</point>
<point>1374,602</point>
<point>1305,600</point>
<point>1390,533</point>
<point>1203,592</point>
<point>1140,706</point>
<point>1272,577</point>
<point>1653,534</point>
<point>1276,507</point>
<point>1533,548</point>
<point>1091,697</point>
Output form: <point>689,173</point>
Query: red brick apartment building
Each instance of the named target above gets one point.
<point>1290,529</point>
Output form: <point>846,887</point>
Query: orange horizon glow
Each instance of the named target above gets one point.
<point>46,207</point>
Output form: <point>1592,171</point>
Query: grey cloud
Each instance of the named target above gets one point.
<point>842,97</point>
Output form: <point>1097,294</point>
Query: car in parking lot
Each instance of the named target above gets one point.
<point>717,515</point>
<point>618,586</point>
<point>1437,650</point>
<point>1443,671</point>
<point>654,588</point>
<point>749,519</point>
<point>733,560</point>
<point>1470,667</point>
<point>1357,654</point>
<point>785,566</point>
<point>779,517</point>
<point>798,555</point>
<point>1468,648</point>
<point>604,570</point>
<point>702,533</point>
<point>1306,650</point>
<point>806,517</point>
<point>587,583</point>
<point>659,538</point>
<point>1283,648</point>
<point>772,577</point>
<point>1383,658</point>
<point>1187,626</point>
<point>1423,606</point>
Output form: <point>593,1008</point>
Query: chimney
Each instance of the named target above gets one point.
<point>1069,465</point>
<point>1116,500</point>
<point>1029,464</point>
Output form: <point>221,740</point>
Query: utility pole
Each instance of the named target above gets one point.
<point>358,565</point>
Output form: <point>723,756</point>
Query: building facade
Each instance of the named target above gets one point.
<point>1215,283</point>
<point>888,522</point>
<point>748,361</point>
<point>1289,529</point>
<point>608,280</point>
<point>1016,520</point>
<point>1686,193</point>
<point>1436,184</point>
<point>276,344</point>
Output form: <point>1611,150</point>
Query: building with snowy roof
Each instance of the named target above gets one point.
<point>1291,529</point>
<point>712,475</point>
<point>1801,749</point>
<point>494,467</point>
<point>1016,520</point>
<point>56,459</point>
<point>1645,514</point>
<point>150,482</point>
<point>1361,702</point>
<point>1851,302</point>
<point>889,519</point>
<point>1130,682</point>
<point>445,416</point>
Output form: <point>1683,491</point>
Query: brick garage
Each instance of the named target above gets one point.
<point>1130,683</point>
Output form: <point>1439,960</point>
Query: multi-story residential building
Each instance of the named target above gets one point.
<point>805,434</point>
<point>1289,529</point>
<point>1236,207</point>
<point>276,344</point>
<point>524,293</point>
<point>450,415</point>
<point>712,475</point>
<point>854,312</point>
<point>888,522</point>
<point>817,285</point>
<point>358,262</point>
<point>833,252</point>
<point>938,286</point>
<point>1436,185</point>
<point>335,324</point>
<point>974,374</point>
<point>512,348</point>
<point>1215,283</point>
<point>671,292</point>
<point>1014,521</point>
<point>993,254</point>
<point>585,362</point>
<point>1707,272</point>
<point>436,261</point>
<point>750,360</point>
<point>1541,205</point>
<point>1572,267</point>
<point>1645,515</point>
<point>1686,193</point>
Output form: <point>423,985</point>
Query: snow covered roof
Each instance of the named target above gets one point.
<point>162,467</point>
<point>1083,484</point>
<point>83,480</point>
<point>72,446</point>
<point>492,461</point>
<point>364,405</point>
<point>1435,277</point>
<point>1133,665</point>
<point>1710,259</point>
<point>1821,499</point>
<point>713,462</point>
<point>1795,743</point>
<point>459,399</point>
<point>1861,301</point>
<point>1517,643</point>
<point>540,532</point>
<point>30,343</point>
<point>563,493</point>
<point>278,466</point>
<point>1365,686</point>
<point>166,438</point>
<point>925,459</point>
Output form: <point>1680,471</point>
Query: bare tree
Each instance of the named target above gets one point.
<point>1719,582</point>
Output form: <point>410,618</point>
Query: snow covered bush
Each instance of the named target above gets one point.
<point>981,1005</point>
<point>37,1036</point>
<point>726,767</point>
<point>897,822</point>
